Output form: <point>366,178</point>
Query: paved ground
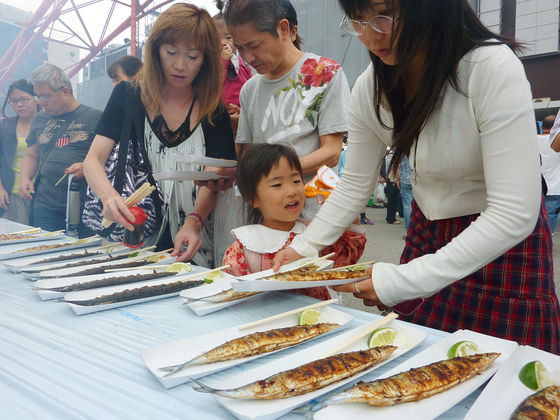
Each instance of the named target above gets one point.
<point>385,244</point>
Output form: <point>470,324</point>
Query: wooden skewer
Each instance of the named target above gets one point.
<point>294,311</point>
<point>53,232</point>
<point>317,260</point>
<point>141,193</point>
<point>373,326</point>
<point>152,267</point>
<point>60,180</point>
<point>137,259</point>
<point>353,265</point>
<point>32,230</point>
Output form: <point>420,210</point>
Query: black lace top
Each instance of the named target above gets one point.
<point>173,138</point>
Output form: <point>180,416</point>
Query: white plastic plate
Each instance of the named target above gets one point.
<point>205,161</point>
<point>435,405</point>
<point>187,176</point>
<point>180,351</point>
<point>271,409</point>
<point>8,252</point>
<point>505,391</point>
<point>35,237</point>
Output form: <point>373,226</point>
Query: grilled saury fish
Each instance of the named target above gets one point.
<point>542,405</point>
<point>306,378</point>
<point>414,385</point>
<point>228,295</point>
<point>256,343</point>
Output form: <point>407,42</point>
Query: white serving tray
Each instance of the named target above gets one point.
<point>92,294</point>
<point>180,351</point>
<point>253,282</point>
<point>206,161</point>
<point>187,176</point>
<point>34,272</point>
<point>435,405</point>
<point>35,237</point>
<point>271,409</point>
<point>505,391</point>
<point>17,265</point>
<point>66,271</point>
<point>7,252</point>
<point>42,287</point>
<point>205,308</point>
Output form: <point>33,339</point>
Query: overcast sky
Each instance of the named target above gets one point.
<point>95,15</point>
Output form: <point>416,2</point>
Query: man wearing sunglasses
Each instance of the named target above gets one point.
<point>52,160</point>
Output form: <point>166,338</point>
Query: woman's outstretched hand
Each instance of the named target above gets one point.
<point>284,256</point>
<point>187,235</point>
<point>365,288</point>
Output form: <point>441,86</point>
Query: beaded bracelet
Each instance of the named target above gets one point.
<point>198,219</point>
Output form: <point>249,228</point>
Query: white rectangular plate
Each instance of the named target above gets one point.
<point>435,405</point>
<point>65,271</point>
<point>271,409</point>
<point>43,287</point>
<point>187,176</point>
<point>180,351</point>
<point>35,237</point>
<point>253,282</point>
<point>505,391</point>
<point>92,294</point>
<point>205,308</point>
<point>7,252</point>
<point>206,161</point>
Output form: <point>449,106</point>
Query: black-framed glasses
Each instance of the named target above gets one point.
<point>382,24</point>
<point>45,98</point>
<point>22,101</point>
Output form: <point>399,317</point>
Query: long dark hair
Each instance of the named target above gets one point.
<point>446,30</point>
<point>20,84</point>
<point>255,164</point>
<point>129,64</point>
<point>264,14</point>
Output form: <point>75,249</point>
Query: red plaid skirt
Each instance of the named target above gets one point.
<point>513,297</point>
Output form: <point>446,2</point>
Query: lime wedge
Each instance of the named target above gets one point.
<point>531,375</point>
<point>156,258</point>
<point>382,337</point>
<point>211,276</point>
<point>309,317</point>
<point>359,268</point>
<point>462,349</point>
<point>179,267</point>
<point>109,250</point>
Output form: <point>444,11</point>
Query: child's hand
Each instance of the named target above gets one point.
<point>284,256</point>
<point>233,112</point>
<point>227,53</point>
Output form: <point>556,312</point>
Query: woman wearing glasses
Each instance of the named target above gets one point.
<point>453,97</point>
<point>13,132</point>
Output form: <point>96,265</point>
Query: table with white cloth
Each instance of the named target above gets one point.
<point>57,365</point>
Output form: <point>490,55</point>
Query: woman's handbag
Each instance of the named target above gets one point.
<point>127,168</point>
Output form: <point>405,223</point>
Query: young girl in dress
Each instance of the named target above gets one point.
<point>269,178</point>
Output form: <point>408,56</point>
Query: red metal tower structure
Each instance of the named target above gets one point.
<point>50,21</point>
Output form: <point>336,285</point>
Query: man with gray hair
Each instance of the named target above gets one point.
<point>57,144</point>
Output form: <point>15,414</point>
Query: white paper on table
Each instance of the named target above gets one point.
<point>65,271</point>
<point>180,351</point>
<point>187,176</point>
<point>34,237</point>
<point>44,287</point>
<point>505,391</point>
<point>206,161</point>
<point>9,251</point>
<point>204,308</point>
<point>95,293</point>
<point>254,282</point>
<point>435,405</point>
<point>271,409</point>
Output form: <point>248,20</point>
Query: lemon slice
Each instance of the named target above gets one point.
<point>531,375</point>
<point>382,337</point>
<point>309,317</point>
<point>359,268</point>
<point>462,349</point>
<point>179,267</point>
<point>209,278</point>
<point>156,258</point>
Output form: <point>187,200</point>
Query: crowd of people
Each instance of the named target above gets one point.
<point>463,151</point>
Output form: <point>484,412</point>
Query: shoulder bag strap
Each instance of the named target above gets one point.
<point>125,137</point>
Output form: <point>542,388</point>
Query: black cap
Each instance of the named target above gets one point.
<point>289,11</point>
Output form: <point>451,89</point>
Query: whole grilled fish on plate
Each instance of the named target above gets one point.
<point>542,405</point>
<point>8,252</point>
<point>256,409</point>
<point>432,407</point>
<point>505,392</point>
<point>201,347</point>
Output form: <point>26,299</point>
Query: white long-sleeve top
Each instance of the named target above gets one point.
<point>477,154</point>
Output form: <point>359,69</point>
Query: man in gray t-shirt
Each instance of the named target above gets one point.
<point>54,93</point>
<point>297,98</point>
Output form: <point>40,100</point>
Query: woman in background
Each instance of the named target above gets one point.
<point>124,68</point>
<point>13,132</point>
<point>179,88</point>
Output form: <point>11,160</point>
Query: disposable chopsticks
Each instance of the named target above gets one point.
<point>324,257</point>
<point>141,193</point>
<point>33,230</point>
<point>372,327</point>
<point>346,267</point>
<point>294,311</point>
